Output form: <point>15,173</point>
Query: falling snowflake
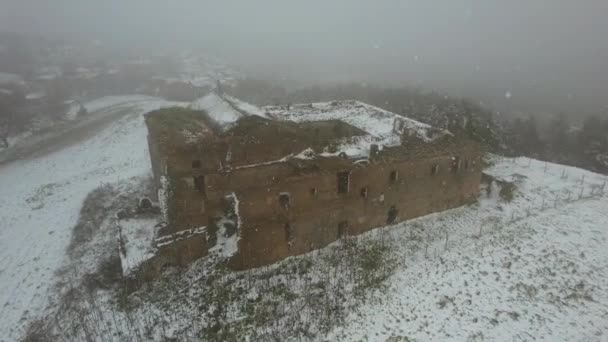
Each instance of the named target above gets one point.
<point>508,95</point>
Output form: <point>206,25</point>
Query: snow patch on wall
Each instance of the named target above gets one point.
<point>137,236</point>
<point>164,191</point>
<point>228,243</point>
<point>225,110</point>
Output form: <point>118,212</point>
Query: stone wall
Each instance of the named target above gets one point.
<point>317,215</point>
<point>290,207</point>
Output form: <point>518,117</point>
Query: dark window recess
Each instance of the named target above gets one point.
<point>466,165</point>
<point>196,164</point>
<point>455,164</point>
<point>435,170</point>
<point>288,234</point>
<point>314,192</point>
<point>364,192</point>
<point>342,229</point>
<point>343,182</point>
<point>393,176</point>
<point>199,183</point>
<point>284,200</point>
<point>392,215</point>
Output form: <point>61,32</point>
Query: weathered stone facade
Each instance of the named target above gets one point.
<point>287,188</point>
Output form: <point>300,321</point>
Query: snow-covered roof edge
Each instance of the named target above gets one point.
<point>225,110</point>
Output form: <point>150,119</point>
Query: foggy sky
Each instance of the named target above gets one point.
<point>474,47</point>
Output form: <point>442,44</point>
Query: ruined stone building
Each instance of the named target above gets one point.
<point>257,185</point>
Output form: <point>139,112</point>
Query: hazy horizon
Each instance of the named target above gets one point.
<point>551,53</point>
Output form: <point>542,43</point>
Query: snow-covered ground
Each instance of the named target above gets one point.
<point>40,200</point>
<point>539,270</point>
<point>533,268</point>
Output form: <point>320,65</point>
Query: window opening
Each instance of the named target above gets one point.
<point>343,182</point>
<point>455,164</point>
<point>284,200</point>
<point>392,215</point>
<point>342,228</point>
<point>393,176</point>
<point>435,170</point>
<point>288,235</point>
<point>199,183</point>
<point>314,192</point>
<point>364,192</point>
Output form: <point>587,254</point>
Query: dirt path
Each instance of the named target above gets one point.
<point>64,135</point>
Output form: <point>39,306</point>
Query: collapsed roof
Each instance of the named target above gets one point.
<point>344,128</point>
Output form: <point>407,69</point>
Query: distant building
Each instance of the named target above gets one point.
<point>258,185</point>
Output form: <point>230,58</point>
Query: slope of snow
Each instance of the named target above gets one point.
<point>538,271</point>
<point>218,109</point>
<point>225,110</point>
<point>40,200</point>
<point>244,106</point>
<point>137,235</point>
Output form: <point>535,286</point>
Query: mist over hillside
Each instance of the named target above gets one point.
<point>549,55</point>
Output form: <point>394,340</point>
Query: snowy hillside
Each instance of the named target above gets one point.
<point>532,268</point>
<point>537,272</point>
<point>40,200</point>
